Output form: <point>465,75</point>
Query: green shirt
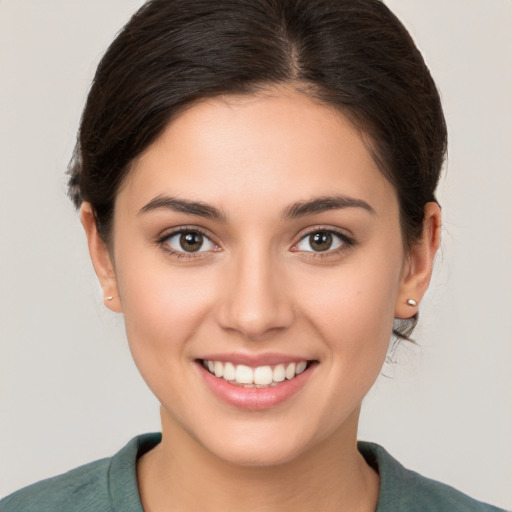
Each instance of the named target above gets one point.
<point>110,485</point>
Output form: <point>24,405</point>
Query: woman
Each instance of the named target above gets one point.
<point>256,181</point>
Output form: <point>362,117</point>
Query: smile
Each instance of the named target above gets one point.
<point>259,377</point>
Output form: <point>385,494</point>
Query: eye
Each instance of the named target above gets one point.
<point>189,241</point>
<point>322,241</point>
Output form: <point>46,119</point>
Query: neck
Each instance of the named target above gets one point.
<point>180,474</point>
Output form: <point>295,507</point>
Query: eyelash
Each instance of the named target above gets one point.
<point>162,242</point>
<point>347,242</point>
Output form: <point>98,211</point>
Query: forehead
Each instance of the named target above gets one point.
<point>271,149</point>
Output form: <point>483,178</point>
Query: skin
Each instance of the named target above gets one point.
<point>260,287</point>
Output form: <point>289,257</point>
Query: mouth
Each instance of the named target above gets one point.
<point>258,377</point>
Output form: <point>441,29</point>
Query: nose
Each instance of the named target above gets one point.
<point>255,301</point>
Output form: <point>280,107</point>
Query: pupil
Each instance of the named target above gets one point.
<point>191,242</point>
<point>321,241</point>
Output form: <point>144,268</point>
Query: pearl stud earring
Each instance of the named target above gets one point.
<point>412,302</point>
<point>109,297</point>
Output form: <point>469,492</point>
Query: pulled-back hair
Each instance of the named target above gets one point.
<point>354,55</point>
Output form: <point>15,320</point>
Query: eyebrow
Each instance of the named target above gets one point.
<point>294,211</point>
<point>323,204</point>
<point>184,206</point>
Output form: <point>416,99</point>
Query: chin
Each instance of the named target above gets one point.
<point>260,443</point>
<point>250,454</point>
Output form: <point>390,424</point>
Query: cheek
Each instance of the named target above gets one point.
<point>352,310</point>
<point>352,300</point>
<point>162,307</point>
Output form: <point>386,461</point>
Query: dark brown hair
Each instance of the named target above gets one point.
<point>352,54</point>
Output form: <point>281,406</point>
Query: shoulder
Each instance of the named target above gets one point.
<point>85,485</point>
<point>402,489</point>
<point>100,485</point>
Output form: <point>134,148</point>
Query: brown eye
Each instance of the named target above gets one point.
<point>322,241</point>
<point>191,241</point>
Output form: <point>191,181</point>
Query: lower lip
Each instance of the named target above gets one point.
<point>255,398</point>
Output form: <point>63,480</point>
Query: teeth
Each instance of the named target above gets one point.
<point>260,376</point>
<point>290,371</point>
<point>263,375</point>
<point>300,367</point>
<point>218,368</point>
<point>278,375</point>
<point>244,374</point>
<point>229,371</point>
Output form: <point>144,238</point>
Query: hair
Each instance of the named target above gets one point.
<point>354,55</point>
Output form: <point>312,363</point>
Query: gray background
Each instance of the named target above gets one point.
<point>69,392</point>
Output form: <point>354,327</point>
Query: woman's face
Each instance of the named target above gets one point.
<point>257,234</point>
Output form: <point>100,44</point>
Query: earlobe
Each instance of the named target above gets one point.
<point>101,259</point>
<point>418,269</point>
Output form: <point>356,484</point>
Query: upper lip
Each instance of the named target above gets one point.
<point>255,360</point>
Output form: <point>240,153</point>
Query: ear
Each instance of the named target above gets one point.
<point>418,267</point>
<point>101,259</point>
